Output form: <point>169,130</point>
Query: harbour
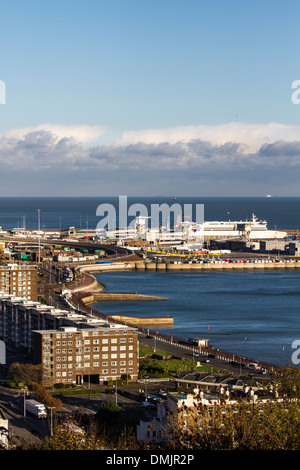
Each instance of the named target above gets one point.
<point>186,276</point>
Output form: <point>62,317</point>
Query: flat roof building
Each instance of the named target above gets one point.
<point>19,280</point>
<point>72,355</point>
<point>69,345</point>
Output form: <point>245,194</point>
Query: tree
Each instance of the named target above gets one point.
<point>42,395</point>
<point>25,372</point>
<point>3,257</point>
<point>272,422</point>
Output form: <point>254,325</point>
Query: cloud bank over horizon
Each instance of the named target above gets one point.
<point>234,158</point>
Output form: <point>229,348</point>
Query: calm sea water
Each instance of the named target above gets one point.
<point>283,213</point>
<point>226,307</point>
<point>262,307</point>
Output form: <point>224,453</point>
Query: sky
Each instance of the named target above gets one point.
<point>157,98</point>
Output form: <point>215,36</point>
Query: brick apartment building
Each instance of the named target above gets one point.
<point>19,280</point>
<point>72,355</point>
<point>72,347</point>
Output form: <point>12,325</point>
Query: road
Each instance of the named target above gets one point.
<point>21,427</point>
<point>183,353</point>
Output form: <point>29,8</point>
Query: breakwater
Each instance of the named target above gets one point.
<point>118,297</point>
<point>216,266</point>
<point>153,321</point>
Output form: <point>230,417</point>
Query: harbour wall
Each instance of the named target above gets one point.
<point>217,266</point>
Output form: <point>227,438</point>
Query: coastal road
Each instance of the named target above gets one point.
<point>180,352</point>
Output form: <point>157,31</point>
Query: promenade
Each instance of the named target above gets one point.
<point>80,298</point>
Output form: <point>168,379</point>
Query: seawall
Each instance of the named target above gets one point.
<point>215,266</point>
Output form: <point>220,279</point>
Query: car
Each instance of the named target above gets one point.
<point>205,360</point>
<point>146,404</point>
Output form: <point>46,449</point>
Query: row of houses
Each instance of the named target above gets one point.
<point>194,389</point>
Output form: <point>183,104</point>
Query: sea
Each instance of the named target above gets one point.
<point>256,315</point>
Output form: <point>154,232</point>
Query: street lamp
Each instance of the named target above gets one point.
<point>39,234</point>
<point>51,419</point>
<point>24,401</point>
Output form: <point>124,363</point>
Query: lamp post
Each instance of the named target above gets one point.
<point>51,419</point>
<point>24,401</point>
<point>39,234</point>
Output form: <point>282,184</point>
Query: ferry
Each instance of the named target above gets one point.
<point>253,229</point>
<point>186,231</point>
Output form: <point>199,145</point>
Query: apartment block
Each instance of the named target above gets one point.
<point>19,280</point>
<point>71,355</point>
<point>72,347</point>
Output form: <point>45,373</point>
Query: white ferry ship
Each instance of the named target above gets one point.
<point>253,229</point>
<point>190,231</point>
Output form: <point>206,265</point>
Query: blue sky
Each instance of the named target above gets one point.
<point>149,98</point>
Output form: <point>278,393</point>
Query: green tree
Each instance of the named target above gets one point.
<point>25,372</point>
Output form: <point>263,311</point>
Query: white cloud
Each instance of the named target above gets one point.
<point>82,133</point>
<point>250,136</point>
<point>212,158</point>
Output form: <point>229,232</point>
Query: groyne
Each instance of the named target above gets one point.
<point>144,322</point>
<point>118,297</point>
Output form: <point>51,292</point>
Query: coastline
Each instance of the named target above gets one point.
<point>83,298</point>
